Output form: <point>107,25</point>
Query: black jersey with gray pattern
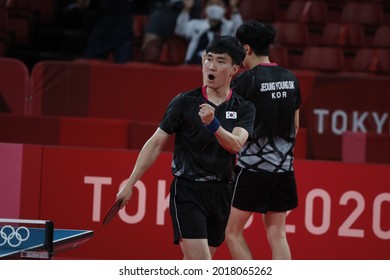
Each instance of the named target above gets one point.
<point>276,95</point>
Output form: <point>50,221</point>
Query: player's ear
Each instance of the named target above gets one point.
<point>235,69</point>
<point>203,58</point>
<point>248,49</point>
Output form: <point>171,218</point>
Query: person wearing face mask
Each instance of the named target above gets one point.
<point>200,32</point>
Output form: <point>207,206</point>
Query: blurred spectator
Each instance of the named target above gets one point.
<point>74,12</point>
<point>76,4</point>
<point>112,31</point>
<point>200,32</point>
<point>162,22</point>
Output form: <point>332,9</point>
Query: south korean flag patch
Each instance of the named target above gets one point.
<point>231,115</point>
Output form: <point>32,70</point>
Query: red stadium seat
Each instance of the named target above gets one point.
<point>382,37</point>
<point>173,51</point>
<point>343,35</point>
<point>366,13</point>
<point>14,85</point>
<point>261,10</point>
<point>295,37</point>
<point>307,11</point>
<point>372,60</point>
<point>291,33</point>
<point>349,36</point>
<point>45,10</point>
<point>152,50</point>
<point>313,13</point>
<point>327,59</point>
<point>139,24</point>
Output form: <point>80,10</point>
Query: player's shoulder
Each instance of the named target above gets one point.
<point>189,95</point>
<point>273,71</point>
<point>261,69</point>
<point>237,98</point>
<point>243,104</point>
<point>284,70</point>
<point>288,71</point>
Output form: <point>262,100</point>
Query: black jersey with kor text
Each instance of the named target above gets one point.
<point>276,95</point>
<point>197,154</point>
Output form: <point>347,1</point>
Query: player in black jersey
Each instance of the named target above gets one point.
<point>265,181</point>
<point>211,124</point>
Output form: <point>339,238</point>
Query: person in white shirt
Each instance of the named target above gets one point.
<point>161,24</point>
<point>200,32</point>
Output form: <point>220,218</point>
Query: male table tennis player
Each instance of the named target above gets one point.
<point>211,124</point>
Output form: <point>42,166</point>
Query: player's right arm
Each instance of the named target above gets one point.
<point>296,121</point>
<point>230,141</point>
<point>147,156</point>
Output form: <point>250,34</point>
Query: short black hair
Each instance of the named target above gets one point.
<point>258,35</point>
<point>229,45</point>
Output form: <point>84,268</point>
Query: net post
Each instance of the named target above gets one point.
<point>49,234</point>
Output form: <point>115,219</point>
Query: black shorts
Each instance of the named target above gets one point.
<point>200,210</point>
<point>265,191</point>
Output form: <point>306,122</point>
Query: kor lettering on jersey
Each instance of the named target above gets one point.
<point>278,88</point>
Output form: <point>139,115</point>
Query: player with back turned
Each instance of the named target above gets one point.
<point>265,181</point>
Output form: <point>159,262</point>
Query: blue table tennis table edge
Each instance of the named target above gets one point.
<point>62,242</point>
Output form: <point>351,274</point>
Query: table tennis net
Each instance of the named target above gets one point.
<point>20,236</point>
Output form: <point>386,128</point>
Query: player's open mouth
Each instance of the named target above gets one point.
<point>211,77</point>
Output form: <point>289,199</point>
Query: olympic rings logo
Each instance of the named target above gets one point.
<point>13,236</point>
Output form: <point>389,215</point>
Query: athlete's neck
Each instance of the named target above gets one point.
<point>218,96</point>
<point>256,60</point>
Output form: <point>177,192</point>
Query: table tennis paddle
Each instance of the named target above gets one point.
<point>112,212</point>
